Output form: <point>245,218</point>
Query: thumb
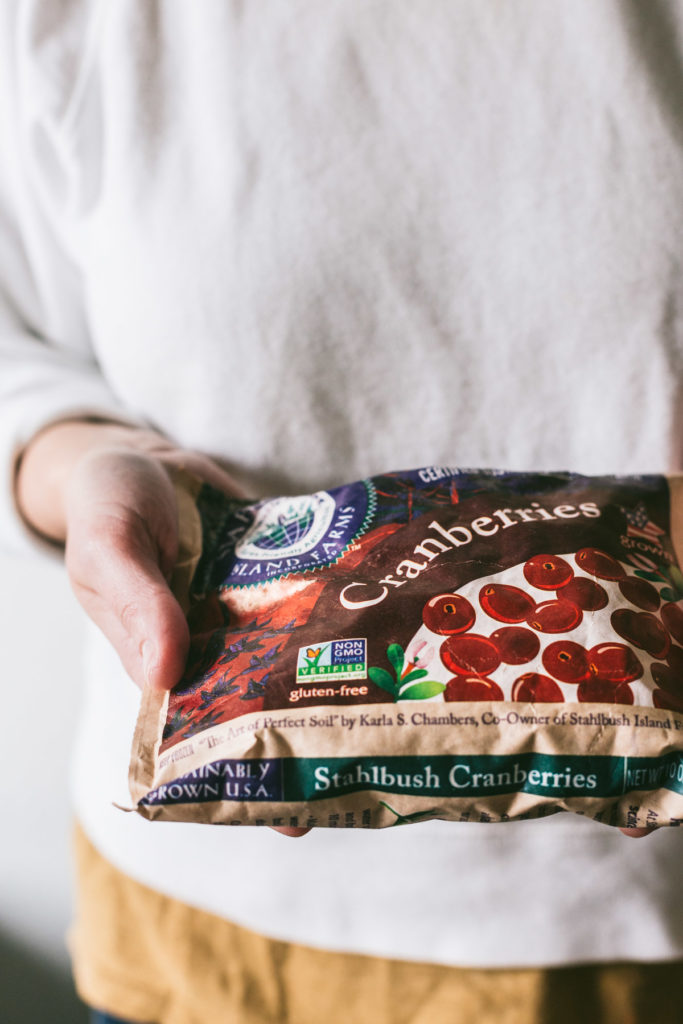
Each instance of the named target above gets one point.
<point>155,626</point>
<point>118,549</point>
<point>118,581</point>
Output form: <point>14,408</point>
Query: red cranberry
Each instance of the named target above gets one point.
<point>600,564</point>
<point>547,572</point>
<point>472,688</point>
<point>515,644</point>
<point>537,688</point>
<point>674,659</point>
<point>448,614</point>
<point>505,603</point>
<point>642,629</point>
<point>614,662</point>
<point>603,691</point>
<point>667,701</point>
<point>555,617</point>
<point>566,661</point>
<point>640,593</point>
<point>672,617</point>
<point>668,679</point>
<point>585,594</point>
<point>470,655</point>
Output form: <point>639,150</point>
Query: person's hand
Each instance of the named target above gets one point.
<point>105,492</point>
<point>676,491</point>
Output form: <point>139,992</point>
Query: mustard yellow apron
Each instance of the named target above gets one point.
<point>142,956</point>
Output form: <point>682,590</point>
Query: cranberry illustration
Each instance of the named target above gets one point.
<point>668,679</point>
<point>470,655</point>
<point>472,688</point>
<point>614,662</point>
<point>640,593</point>
<point>505,603</point>
<point>567,661</point>
<point>642,629</point>
<point>537,688</point>
<point>674,659</point>
<point>667,701</point>
<point>672,617</point>
<point>547,572</point>
<point>585,594</point>
<point>599,563</point>
<point>603,691</point>
<point>448,614</point>
<point>555,616</point>
<point>515,644</point>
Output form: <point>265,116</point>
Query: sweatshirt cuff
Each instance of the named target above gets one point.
<point>92,402</point>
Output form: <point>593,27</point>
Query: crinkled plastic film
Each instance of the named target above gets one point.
<point>438,643</point>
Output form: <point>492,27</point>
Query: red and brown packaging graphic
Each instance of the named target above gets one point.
<point>471,645</point>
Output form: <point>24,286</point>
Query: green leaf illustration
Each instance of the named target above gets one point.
<point>381,678</point>
<point>667,594</point>
<point>417,673</point>
<point>677,576</point>
<point>396,656</point>
<point>420,691</point>
<point>654,577</point>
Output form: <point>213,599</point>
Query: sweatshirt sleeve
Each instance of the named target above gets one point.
<point>48,369</point>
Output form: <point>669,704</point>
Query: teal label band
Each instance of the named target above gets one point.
<point>553,775</point>
<point>314,778</point>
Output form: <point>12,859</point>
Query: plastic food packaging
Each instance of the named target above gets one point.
<point>439,643</point>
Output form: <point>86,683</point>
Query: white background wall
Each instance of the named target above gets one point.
<point>40,631</point>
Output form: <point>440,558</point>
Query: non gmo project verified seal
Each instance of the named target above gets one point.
<point>338,659</point>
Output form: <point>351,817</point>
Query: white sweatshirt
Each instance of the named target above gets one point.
<point>324,240</point>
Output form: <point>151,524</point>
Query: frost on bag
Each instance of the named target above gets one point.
<point>441,643</point>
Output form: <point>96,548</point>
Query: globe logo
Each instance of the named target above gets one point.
<point>287,527</point>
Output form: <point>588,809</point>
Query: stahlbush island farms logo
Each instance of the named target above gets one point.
<point>274,538</point>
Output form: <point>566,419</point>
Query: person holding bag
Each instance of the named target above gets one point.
<point>285,247</point>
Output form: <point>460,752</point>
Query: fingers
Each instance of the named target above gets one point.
<point>293,832</point>
<point>676,491</point>
<point>637,833</point>
<point>200,465</point>
<point>204,468</point>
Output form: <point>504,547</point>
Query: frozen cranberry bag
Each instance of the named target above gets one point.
<point>441,643</point>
